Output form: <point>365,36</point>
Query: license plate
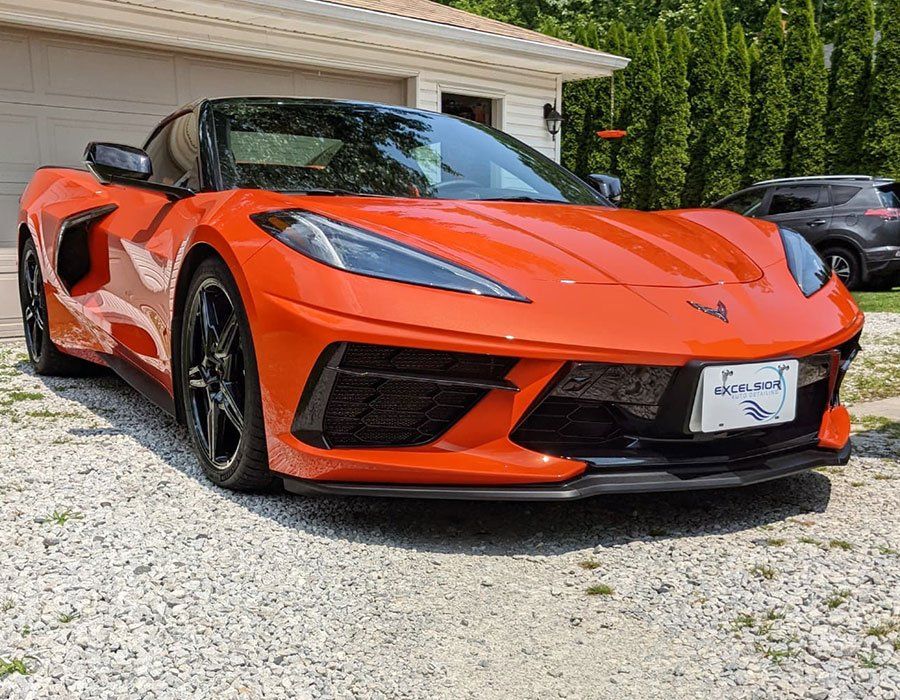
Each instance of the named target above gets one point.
<point>745,396</point>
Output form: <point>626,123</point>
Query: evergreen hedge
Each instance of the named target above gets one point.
<point>708,129</point>
<point>724,161</point>
<point>848,96</point>
<point>769,112</point>
<point>882,139</point>
<point>670,159</point>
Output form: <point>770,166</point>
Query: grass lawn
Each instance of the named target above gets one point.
<point>879,301</point>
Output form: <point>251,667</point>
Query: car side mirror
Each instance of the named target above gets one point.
<point>110,161</point>
<point>607,185</point>
<point>113,163</point>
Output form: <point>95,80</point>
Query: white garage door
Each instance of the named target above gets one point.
<point>58,93</point>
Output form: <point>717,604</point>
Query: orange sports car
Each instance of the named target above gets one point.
<point>354,298</point>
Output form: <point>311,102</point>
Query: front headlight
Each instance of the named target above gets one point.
<point>808,268</point>
<point>356,250</point>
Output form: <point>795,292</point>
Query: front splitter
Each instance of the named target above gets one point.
<point>596,482</point>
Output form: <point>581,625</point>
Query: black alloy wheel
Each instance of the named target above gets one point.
<point>34,312</point>
<point>216,374</point>
<point>220,387</point>
<point>46,358</point>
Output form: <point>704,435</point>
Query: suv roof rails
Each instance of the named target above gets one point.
<point>867,178</point>
<point>805,178</point>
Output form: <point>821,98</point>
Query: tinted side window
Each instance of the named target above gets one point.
<point>174,153</point>
<point>798,198</point>
<point>841,194</point>
<point>747,203</point>
<point>890,196</point>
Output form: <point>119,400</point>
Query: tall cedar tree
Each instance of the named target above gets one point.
<point>726,154</point>
<point>882,144</point>
<point>599,156</point>
<point>769,113</point>
<point>637,150</point>
<point>586,107</point>
<point>621,42</point>
<point>705,74</point>
<point>670,156</point>
<point>851,66</point>
<point>753,57</point>
<point>662,42</point>
<point>804,62</point>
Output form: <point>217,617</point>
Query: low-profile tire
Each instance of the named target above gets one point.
<point>846,265</point>
<point>219,382</point>
<point>45,357</point>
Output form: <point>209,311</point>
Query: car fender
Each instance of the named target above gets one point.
<point>53,196</point>
<point>226,231</point>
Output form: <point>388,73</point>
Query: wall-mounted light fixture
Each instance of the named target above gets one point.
<point>553,119</point>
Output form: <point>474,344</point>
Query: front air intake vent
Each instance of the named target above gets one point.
<point>642,413</point>
<point>362,395</point>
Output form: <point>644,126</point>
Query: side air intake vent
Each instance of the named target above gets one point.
<point>362,395</point>
<point>73,260</point>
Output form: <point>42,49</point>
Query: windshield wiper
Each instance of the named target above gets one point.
<point>522,198</point>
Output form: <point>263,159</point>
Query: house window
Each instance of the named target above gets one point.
<point>477,109</point>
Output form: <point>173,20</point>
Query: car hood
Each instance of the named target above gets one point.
<point>520,242</point>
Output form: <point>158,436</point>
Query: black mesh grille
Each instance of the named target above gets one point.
<point>577,427</point>
<point>382,396</point>
<point>375,411</point>
<point>559,424</point>
<point>434,362</point>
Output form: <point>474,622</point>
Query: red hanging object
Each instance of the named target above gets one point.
<point>612,134</point>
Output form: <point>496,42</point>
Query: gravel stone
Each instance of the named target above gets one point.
<point>160,585</point>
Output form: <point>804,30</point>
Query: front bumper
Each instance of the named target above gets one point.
<point>596,482</point>
<point>649,326</point>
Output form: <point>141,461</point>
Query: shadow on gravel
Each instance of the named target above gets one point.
<point>472,527</point>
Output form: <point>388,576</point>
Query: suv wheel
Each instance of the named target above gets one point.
<point>845,265</point>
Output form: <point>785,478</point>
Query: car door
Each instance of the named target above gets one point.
<point>805,208</point>
<point>142,238</point>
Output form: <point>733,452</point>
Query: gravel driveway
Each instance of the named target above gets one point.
<point>123,573</point>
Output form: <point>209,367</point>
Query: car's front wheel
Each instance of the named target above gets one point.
<point>220,384</point>
<point>845,265</point>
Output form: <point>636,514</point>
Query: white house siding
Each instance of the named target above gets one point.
<point>66,91</point>
<point>77,71</point>
<point>520,95</point>
<point>62,92</point>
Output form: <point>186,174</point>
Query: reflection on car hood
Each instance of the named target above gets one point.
<point>514,241</point>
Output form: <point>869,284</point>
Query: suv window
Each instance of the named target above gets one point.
<point>890,196</point>
<point>841,194</point>
<point>790,198</point>
<point>747,203</point>
<point>174,153</point>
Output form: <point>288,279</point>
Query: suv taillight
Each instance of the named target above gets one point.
<point>888,214</point>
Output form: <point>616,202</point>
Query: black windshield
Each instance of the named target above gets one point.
<point>302,145</point>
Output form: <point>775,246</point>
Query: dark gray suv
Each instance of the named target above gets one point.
<point>852,220</point>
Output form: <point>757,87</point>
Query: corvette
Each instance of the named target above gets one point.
<point>352,298</point>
